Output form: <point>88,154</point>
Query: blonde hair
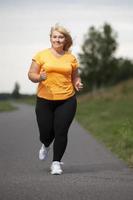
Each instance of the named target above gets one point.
<point>66,33</point>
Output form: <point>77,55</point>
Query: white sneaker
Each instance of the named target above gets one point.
<point>43,152</point>
<point>56,168</point>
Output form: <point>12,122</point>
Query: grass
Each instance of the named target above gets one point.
<point>28,100</point>
<point>108,115</point>
<point>6,106</point>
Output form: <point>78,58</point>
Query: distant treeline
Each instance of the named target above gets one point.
<point>15,94</point>
<point>4,96</point>
<point>9,96</point>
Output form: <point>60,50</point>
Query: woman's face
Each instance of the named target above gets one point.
<point>57,40</point>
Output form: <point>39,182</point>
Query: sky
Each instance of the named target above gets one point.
<point>25,27</point>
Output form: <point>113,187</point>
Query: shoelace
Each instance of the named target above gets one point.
<point>61,163</point>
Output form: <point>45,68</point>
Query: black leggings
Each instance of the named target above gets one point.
<point>54,118</point>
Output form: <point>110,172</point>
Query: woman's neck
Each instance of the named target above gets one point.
<point>58,50</point>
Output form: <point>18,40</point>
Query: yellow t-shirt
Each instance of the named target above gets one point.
<point>58,85</point>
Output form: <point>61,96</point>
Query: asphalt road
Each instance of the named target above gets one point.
<point>91,172</point>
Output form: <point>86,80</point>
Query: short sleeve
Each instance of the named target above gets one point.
<point>38,59</point>
<point>74,63</point>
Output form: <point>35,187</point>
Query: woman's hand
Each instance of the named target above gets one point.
<point>43,75</point>
<point>78,85</point>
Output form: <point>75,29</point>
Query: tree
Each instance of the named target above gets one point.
<point>15,93</point>
<point>98,64</point>
<point>125,71</point>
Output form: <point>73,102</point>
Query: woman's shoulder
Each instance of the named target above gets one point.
<point>71,55</point>
<point>43,51</point>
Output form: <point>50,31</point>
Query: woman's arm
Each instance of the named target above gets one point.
<point>34,73</point>
<point>76,80</point>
